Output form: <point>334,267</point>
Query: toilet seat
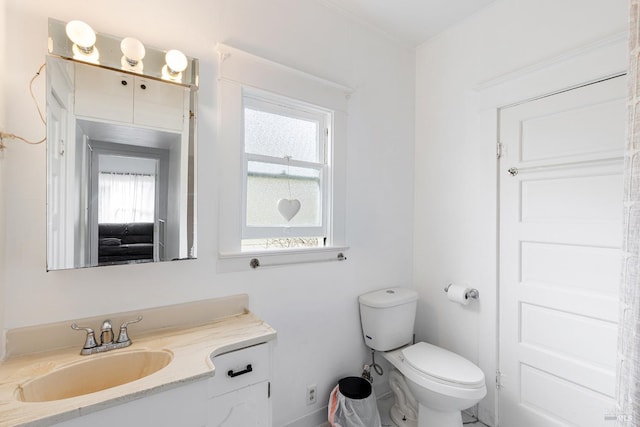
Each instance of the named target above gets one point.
<point>461,392</point>
<point>442,365</point>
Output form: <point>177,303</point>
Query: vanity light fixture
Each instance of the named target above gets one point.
<point>84,40</point>
<point>132,53</point>
<point>176,63</point>
<point>78,41</point>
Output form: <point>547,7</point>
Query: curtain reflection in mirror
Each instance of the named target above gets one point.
<point>126,197</point>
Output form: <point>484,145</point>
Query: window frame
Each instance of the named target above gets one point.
<point>240,71</point>
<point>287,107</point>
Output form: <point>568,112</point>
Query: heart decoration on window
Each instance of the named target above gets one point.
<point>288,208</point>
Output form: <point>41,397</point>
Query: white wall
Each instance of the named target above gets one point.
<point>455,169</point>
<point>313,307</point>
<point>3,36</point>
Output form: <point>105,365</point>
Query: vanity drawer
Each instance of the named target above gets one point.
<point>240,368</point>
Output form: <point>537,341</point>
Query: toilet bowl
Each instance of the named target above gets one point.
<point>404,412</point>
<point>439,382</point>
<point>443,383</point>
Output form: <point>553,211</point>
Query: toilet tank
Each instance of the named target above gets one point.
<point>388,317</point>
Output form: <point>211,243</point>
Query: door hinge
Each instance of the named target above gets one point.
<point>498,379</point>
<point>498,150</point>
<point>269,390</point>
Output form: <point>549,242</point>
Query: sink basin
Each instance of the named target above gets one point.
<point>96,373</point>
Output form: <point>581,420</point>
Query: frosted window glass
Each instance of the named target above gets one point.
<point>268,183</point>
<point>276,135</point>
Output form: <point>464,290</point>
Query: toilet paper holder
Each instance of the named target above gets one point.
<point>471,294</point>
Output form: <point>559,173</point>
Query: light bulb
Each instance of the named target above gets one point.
<point>82,35</point>
<point>133,51</point>
<point>176,61</point>
<point>83,38</point>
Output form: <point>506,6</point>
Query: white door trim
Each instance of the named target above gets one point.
<point>588,63</point>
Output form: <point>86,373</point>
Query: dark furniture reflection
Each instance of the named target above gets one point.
<point>118,243</point>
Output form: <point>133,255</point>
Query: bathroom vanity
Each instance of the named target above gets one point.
<point>218,373</point>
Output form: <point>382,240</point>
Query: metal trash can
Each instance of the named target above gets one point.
<point>352,403</point>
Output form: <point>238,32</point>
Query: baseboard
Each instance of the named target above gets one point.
<point>319,417</point>
<point>314,419</point>
<point>486,416</point>
<point>476,413</point>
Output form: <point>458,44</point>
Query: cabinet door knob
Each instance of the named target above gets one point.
<point>124,82</point>
<point>143,87</point>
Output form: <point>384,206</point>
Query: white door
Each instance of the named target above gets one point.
<point>560,235</point>
<point>159,105</point>
<point>102,94</point>
<point>246,407</point>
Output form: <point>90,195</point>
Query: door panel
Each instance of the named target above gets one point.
<point>560,236</point>
<point>570,266</point>
<point>246,407</point>
<point>573,132</point>
<point>553,401</point>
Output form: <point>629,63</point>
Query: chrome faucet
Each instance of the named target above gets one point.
<point>107,341</point>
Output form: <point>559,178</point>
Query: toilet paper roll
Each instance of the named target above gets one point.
<point>458,293</point>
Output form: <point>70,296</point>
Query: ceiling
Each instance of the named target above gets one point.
<point>409,21</point>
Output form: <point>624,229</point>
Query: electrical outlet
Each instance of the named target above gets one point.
<point>312,394</point>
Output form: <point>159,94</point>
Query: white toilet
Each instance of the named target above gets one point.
<point>433,384</point>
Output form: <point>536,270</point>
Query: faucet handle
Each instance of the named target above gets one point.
<point>123,336</point>
<point>90,341</point>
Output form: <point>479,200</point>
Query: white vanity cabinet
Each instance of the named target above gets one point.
<point>239,395</point>
<point>183,406</point>
<point>120,97</point>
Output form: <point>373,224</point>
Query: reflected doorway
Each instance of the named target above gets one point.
<point>128,195</point>
<point>127,209</point>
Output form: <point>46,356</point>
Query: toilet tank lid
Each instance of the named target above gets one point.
<point>388,297</point>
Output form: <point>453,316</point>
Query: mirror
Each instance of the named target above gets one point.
<point>120,157</point>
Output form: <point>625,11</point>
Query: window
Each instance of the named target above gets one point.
<point>286,174</point>
<point>282,163</point>
<point>126,197</point>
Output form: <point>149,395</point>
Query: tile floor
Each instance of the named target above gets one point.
<point>385,402</point>
<point>384,405</point>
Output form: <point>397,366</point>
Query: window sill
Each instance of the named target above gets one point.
<point>258,260</point>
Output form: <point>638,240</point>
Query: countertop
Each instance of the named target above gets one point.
<point>191,348</point>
